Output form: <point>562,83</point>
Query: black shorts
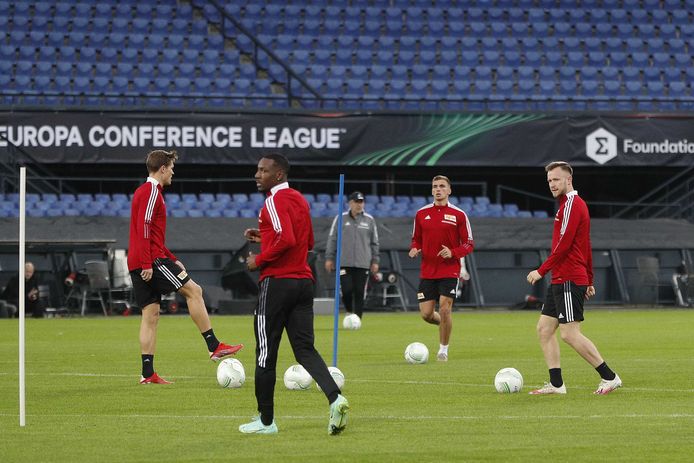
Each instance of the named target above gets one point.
<point>565,302</point>
<point>430,290</point>
<point>166,278</point>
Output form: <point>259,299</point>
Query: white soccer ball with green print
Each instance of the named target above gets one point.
<point>416,352</point>
<point>230,373</point>
<point>508,380</point>
<point>351,322</point>
<point>296,378</point>
<point>337,375</point>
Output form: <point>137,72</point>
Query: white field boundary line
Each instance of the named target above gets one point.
<point>375,417</point>
<point>381,381</point>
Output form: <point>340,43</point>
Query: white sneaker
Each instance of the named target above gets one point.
<point>605,386</point>
<point>338,415</point>
<point>549,389</point>
<point>442,357</point>
<point>257,427</point>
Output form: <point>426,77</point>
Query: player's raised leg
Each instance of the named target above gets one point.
<point>198,312</point>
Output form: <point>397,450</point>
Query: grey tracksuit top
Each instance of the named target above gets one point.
<point>359,241</point>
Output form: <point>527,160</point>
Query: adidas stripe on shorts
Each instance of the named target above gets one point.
<point>430,290</point>
<point>167,277</point>
<point>565,302</point>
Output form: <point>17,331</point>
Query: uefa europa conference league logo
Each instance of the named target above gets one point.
<point>601,146</point>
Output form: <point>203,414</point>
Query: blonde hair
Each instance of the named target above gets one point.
<point>442,177</point>
<point>563,165</point>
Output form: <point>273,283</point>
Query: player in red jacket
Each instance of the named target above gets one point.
<point>442,235</point>
<point>285,298</point>
<point>571,264</point>
<point>154,269</point>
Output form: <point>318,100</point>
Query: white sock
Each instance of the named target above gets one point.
<point>443,349</point>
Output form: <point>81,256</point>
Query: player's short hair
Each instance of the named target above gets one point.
<point>563,165</point>
<point>158,158</point>
<point>441,177</point>
<point>280,160</point>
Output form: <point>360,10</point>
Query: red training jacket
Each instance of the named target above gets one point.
<point>441,225</point>
<point>286,235</point>
<point>571,258</point>
<point>147,227</point>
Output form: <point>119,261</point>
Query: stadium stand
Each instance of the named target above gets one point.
<point>502,55</point>
<point>237,205</point>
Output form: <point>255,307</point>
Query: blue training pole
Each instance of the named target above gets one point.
<point>338,255</point>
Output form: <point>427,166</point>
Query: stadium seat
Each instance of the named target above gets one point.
<point>496,41</point>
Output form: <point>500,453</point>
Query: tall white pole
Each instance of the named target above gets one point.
<point>338,257</point>
<point>22,242</point>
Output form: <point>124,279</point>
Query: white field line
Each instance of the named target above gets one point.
<point>375,381</point>
<point>379,417</point>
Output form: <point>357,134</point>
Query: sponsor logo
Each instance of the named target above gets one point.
<point>664,147</point>
<point>182,275</point>
<point>601,146</point>
<point>452,291</point>
<point>561,316</point>
<point>420,296</point>
<point>449,217</point>
<point>427,218</point>
<point>343,272</point>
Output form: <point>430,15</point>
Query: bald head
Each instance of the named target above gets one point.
<point>28,270</point>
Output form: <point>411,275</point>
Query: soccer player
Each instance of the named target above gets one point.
<point>155,270</point>
<point>359,252</point>
<point>442,235</point>
<point>285,299</point>
<point>571,264</point>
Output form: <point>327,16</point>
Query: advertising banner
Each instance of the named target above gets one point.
<point>446,139</point>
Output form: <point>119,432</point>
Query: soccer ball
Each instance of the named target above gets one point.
<point>337,376</point>
<point>297,378</point>
<point>416,353</point>
<point>351,322</point>
<point>508,380</point>
<point>230,373</point>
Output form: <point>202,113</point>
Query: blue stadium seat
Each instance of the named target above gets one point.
<point>240,198</point>
<point>677,90</point>
<point>213,213</point>
<point>248,213</point>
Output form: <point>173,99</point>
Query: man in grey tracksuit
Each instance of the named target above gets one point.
<point>359,252</point>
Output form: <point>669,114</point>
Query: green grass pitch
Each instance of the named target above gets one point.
<point>84,402</point>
